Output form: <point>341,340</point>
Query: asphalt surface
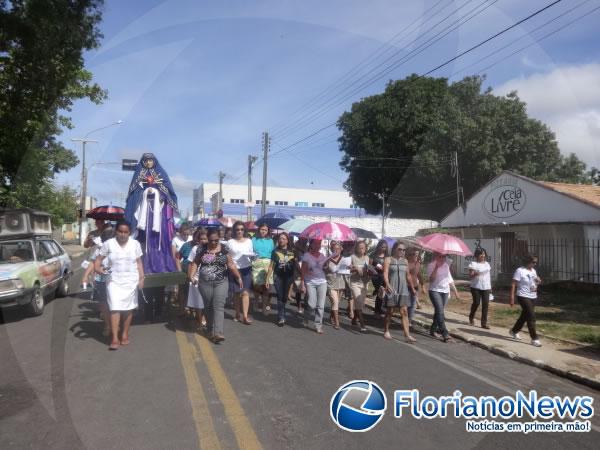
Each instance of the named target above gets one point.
<point>265,386</point>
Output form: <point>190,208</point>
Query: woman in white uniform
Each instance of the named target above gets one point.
<point>124,262</point>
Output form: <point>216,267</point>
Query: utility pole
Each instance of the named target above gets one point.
<point>457,179</point>
<point>220,199</point>
<point>83,187</point>
<point>382,214</point>
<point>266,144</point>
<point>251,161</point>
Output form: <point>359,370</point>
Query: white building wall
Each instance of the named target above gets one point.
<point>330,198</point>
<point>510,199</point>
<point>393,227</point>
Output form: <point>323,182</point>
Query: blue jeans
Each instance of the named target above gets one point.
<point>413,303</point>
<point>316,302</point>
<point>282,288</point>
<point>439,300</point>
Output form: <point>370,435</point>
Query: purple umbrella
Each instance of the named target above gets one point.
<point>208,223</point>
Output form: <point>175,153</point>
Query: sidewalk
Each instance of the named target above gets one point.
<point>74,250</point>
<point>562,358</point>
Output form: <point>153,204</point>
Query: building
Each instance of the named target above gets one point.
<point>312,204</point>
<point>286,200</point>
<point>514,215</point>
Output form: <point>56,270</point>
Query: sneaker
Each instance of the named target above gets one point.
<point>319,330</point>
<point>536,343</point>
<point>363,330</point>
<point>514,335</point>
<point>281,323</point>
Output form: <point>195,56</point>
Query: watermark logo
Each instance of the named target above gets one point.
<point>358,406</point>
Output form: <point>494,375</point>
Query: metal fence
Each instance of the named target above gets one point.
<point>558,259</point>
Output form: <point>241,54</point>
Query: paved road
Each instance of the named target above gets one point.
<point>265,386</point>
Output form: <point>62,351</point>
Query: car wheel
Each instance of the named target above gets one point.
<point>63,287</point>
<point>36,304</point>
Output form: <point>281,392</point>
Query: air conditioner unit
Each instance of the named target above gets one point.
<point>15,222</point>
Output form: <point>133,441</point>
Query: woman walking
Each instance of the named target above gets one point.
<point>314,283</point>
<point>377,261</point>
<point>214,266</point>
<point>481,286</point>
<point>414,269</point>
<point>359,279</point>
<point>398,286</point>
<point>99,292</point>
<point>525,282</point>
<point>194,299</point>
<point>241,252</point>
<point>336,282</point>
<point>300,248</point>
<point>440,283</point>
<point>126,271</point>
<point>263,248</point>
<point>281,270</point>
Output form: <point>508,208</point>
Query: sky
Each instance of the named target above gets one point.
<point>197,83</point>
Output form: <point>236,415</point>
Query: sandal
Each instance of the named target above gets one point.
<point>410,340</point>
<point>125,341</point>
<point>247,321</point>
<point>114,346</point>
<point>387,335</point>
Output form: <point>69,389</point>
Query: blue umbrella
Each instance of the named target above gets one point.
<point>208,223</point>
<point>273,220</point>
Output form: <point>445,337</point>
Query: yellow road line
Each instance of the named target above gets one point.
<point>207,436</point>
<point>244,433</point>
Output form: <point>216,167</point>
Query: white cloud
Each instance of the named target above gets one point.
<point>568,100</point>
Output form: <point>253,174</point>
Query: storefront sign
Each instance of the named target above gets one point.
<point>504,201</point>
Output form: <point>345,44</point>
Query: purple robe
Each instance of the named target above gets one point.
<point>157,256</point>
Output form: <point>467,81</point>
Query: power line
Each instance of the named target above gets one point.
<point>540,39</point>
<point>330,104</point>
<point>485,41</point>
<point>554,19</point>
<point>387,45</point>
<point>539,11</point>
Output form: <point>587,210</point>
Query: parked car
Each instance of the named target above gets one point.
<point>32,268</point>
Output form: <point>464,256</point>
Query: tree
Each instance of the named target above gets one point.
<point>41,75</point>
<point>402,142</point>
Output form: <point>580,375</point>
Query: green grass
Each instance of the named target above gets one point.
<point>560,313</point>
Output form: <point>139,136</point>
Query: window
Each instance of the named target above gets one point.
<point>259,202</point>
<point>237,200</point>
<point>353,206</point>
<point>57,248</point>
<point>42,251</point>
<point>303,204</point>
<point>280,203</point>
<point>318,205</point>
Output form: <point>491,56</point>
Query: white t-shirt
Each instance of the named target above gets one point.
<point>315,273</point>
<point>481,281</point>
<point>177,242</point>
<point>192,254</point>
<point>241,252</point>
<point>122,260</point>
<point>526,282</point>
<point>442,280</point>
<point>343,268</point>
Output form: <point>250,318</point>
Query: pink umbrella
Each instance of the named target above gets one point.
<point>331,231</point>
<point>444,244</point>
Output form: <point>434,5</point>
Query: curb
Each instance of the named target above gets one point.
<point>569,374</point>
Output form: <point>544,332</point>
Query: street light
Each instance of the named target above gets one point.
<point>84,141</point>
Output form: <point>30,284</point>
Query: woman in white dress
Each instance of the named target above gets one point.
<point>126,276</point>
<point>241,251</point>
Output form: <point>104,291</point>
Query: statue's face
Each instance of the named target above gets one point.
<point>149,163</point>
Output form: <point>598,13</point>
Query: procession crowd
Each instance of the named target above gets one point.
<point>227,264</point>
